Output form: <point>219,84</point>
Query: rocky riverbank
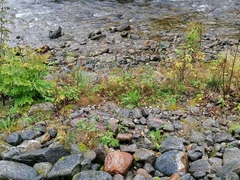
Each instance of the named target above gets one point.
<point>196,146</point>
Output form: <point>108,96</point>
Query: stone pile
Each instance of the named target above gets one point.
<point>196,147</point>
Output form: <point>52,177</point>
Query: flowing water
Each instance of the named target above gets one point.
<point>34,18</point>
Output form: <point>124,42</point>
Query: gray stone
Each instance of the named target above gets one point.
<point>41,107</point>
<point>168,126</point>
<point>187,177</point>
<point>52,131</point>
<point>231,154</point>
<point>9,153</point>
<point>50,154</point>
<point>196,137</point>
<point>215,160</point>
<point>200,165</point>
<point>234,166</point>
<point>124,113</point>
<point>14,170</point>
<point>221,137</point>
<point>66,167</point>
<point>145,113</point>
<point>232,176</point>
<point>14,139</point>
<point>155,123</point>
<point>88,156</point>
<point>43,168</point>
<point>92,175</point>
<point>171,162</point>
<point>195,153</point>
<point>172,143</point>
<point>143,154</point>
<point>148,167</point>
<point>128,148</point>
<point>28,134</point>
<point>199,174</point>
<point>139,177</point>
<point>137,113</point>
<point>118,177</point>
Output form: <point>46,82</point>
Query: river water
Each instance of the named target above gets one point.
<point>34,18</point>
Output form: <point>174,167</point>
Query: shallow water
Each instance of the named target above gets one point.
<point>34,18</point>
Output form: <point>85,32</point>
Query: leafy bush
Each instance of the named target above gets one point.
<point>22,77</point>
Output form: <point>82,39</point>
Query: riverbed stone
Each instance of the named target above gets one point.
<point>144,155</point>
<point>171,162</point>
<point>49,154</point>
<point>172,143</point>
<point>43,168</point>
<point>200,165</point>
<point>118,162</point>
<point>29,145</point>
<point>14,139</point>
<point>66,167</point>
<point>9,153</point>
<point>231,154</point>
<point>14,170</point>
<point>92,175</point>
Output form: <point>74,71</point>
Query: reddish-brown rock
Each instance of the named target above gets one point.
<point>124,136</point>
<point>118,162</point>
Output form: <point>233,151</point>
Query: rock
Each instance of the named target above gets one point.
<point>118,177</point>
<point>43,168</point>
<point>148,167</point>
<point>50,154</point>
<point>41,107</point>
<point>14,170</point>
<point>215,160</point>
<point>44,138</point>
<point>14,139</point>
<point>92,175</point>
<point>221,137</point>
<point>56,33</point>
<point>234,166</point>
<point>118,162</point>
<point>66,167</point>
<point>128,148</point>
<point>9,153</point>
<point>172,143</point>
<point>145,155</point>
<point>195,153</point>
<point>187,177</point>
<point>52,132</point>
<point>230,155</point>
<point>175,176</point>
<point>137,113</point>
<point>200,165</point>
<point>172,162</point>
<point>139,177</point>
<point>232,176</point>
<point>124,137</point>
<point>28,134</point>
<point>144,173</point>
<point>123,27</point>
<point>88,157</point>
<point>29,145</point>
<point>155,123</point>
<point>196,137</point>
<point>199,174</point>
<point>102,152</point>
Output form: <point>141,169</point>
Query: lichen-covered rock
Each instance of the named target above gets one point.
<point>66,167</point>
<point>92,175</point>
<point>143,154</point>
<point>118,162</point>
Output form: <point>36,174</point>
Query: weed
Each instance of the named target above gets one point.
<point>131,98</point>
<point>156,137</point>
